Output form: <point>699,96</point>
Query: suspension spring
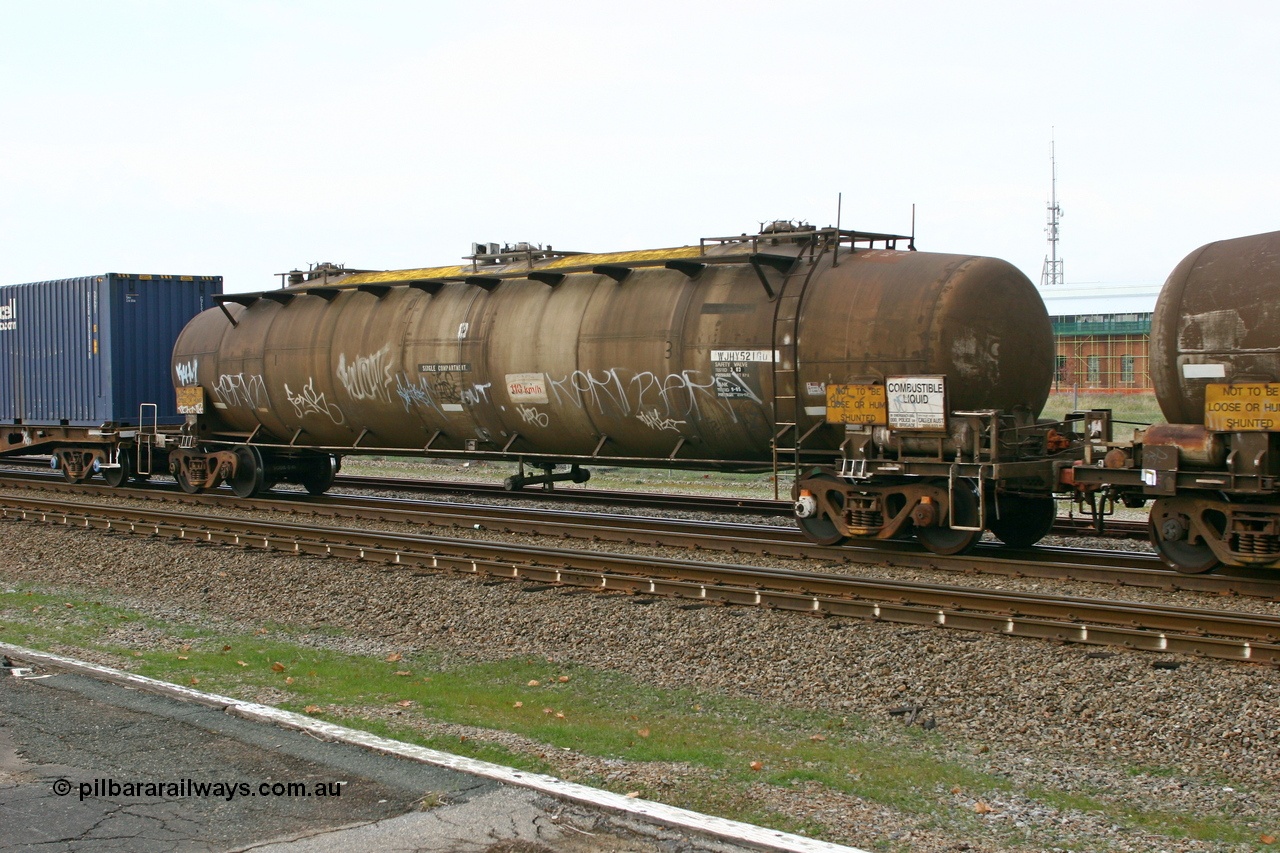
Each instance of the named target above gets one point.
<point>1257,543</point>
<point>865,518</point>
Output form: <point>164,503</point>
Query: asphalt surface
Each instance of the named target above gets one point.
<point>90,765</point>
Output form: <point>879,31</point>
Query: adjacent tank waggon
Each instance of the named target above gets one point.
<point>732,354</point>
<point>1213,470</point>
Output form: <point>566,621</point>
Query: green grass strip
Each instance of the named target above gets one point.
<point>724,749</point>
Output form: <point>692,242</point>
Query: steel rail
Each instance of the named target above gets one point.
<point>1217,634</point>
<point>698,503</point>
<point>1049,562</point>
<point>767,507</point>
<point>763,507</point>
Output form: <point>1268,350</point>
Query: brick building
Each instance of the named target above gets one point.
<point>1102,336</point>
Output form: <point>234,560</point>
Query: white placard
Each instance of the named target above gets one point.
<point>917,402</point>
<point>527,388</point>
<point>743,355</point>
<point>1204,371</point>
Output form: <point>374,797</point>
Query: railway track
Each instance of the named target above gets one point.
<point>762,507</point>
<point>1211,633</point>
<point>1117,568</point>
<point>765,507</point>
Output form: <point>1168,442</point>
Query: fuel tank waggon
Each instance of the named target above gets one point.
<point>1217,320</point>
<point>692,356</point>
<point>1212,473</point>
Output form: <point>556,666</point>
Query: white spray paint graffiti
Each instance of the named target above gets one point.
<point>654,420</point>
<point>476,394</point>
<point>675,398</point>
<point>414,393</point>
<point>187,371</point>
<point>667,403</point>
<point>308,402</point>
<point>440,392</point>
<point>367,377</point>
<point>530,415</point>
<point>242,389</point>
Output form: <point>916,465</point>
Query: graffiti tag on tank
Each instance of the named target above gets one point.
<point>245,390</point>
<point>654,420</point>
<point>533,417</point>
<point>415,393</point>
<point>187,371</point>
<point>367,377</point>
<point>661,402</point>
<point>308,402</point>
<point>440,389</point>
<point>476,395</point>
<point>446,388</point>
<point>444,384</point>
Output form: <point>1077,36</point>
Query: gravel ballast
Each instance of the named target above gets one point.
<point>1191,735</point>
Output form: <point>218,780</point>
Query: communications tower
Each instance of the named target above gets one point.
<point>1052,273</point>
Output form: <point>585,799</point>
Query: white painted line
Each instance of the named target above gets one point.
<point>660,813</point>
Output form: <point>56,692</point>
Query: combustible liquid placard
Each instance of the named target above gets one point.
<point>1243,407</point>
<point>917,402</point>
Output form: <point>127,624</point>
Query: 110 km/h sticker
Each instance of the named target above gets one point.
<point>1243,407</point>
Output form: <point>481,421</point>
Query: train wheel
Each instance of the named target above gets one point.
<point>117,477</point>
<point>1022,521</point>
<point>320,474</point>
<point>249,479</point>
<point>76,466</point>
<point>1168,530</point>
<point>947,541</point>
<point>185,483</point>
<point>820,529</point>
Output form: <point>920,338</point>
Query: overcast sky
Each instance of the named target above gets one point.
<point>246,138</point>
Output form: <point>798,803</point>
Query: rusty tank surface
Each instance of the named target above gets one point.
<point>1213,472</point>
<point>1217,320</point>
<point>688,356</point>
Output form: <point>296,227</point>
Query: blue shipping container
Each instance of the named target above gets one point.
<point>88,351</point>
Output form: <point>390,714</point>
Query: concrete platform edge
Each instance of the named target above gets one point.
<point>653,812</point>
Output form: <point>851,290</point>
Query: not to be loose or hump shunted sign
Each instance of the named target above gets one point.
<point>917,402</point>
<point>1242,407</point>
